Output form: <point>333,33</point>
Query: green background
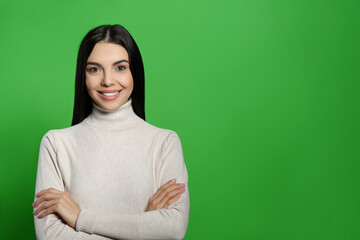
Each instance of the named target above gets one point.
<point>263,94</point>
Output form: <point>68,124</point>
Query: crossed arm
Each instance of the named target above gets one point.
<point>166,216</point>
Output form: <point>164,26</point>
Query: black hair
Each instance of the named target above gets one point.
<point>112,34</point>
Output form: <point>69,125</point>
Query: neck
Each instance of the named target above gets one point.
<point>119,119</point>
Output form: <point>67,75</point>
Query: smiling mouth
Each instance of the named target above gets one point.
<point>109,94</point>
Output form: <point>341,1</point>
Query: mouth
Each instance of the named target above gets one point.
<point>110,94</point>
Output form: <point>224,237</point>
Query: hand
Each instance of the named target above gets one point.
<point>166,195</point>
<point>55,201</point>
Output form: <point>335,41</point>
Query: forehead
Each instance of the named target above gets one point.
<point>108,52</point>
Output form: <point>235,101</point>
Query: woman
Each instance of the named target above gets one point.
<point>111,175</point>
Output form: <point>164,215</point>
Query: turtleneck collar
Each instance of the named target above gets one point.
<point>119,119</point>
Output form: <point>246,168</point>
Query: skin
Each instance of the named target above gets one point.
<point>108,68</point>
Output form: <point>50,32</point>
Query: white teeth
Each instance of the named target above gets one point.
<point>110,94</point>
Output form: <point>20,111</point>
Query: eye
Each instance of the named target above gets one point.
<point>93,69</point>
<point>120,68</point>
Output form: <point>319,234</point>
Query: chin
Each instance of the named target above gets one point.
<point>111,106</point>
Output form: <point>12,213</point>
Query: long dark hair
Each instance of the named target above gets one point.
<point>113,34</point>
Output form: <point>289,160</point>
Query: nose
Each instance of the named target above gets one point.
<point>107,80</point>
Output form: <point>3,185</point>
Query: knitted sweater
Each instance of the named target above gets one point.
<point>111,164</point>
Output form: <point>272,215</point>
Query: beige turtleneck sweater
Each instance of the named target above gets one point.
<point>111,164</point>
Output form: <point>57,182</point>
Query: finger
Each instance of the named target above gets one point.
<point>41,192</point>
<point>53,190</point>
<point>47,212</point>
<point>171,201</point>
<point>170,195</point>
<point>45,197</point>
<point>169,183</point>
<point>45,205</point>
<point>169,189</point>
<point>159,198</point>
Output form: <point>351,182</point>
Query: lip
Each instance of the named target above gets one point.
<point>110,91</point>
<point>109,98</point>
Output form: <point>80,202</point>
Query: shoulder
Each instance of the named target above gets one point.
<point>163,138</point>
<point>54,136</point>
<point>161,134</point>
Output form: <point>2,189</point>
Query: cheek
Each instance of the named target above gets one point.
<point>129,82</point>
<point>90,83</point>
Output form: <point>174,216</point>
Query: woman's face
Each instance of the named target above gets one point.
<point>108,78</point>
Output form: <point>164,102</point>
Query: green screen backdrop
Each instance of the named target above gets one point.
<point>263,94</point>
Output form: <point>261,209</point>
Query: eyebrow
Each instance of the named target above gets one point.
<point>98,64</point>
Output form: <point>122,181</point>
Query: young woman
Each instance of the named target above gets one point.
<point>111,175</point>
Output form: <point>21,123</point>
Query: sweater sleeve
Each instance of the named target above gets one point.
<point>170,223</point>
<point>52,227</point>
